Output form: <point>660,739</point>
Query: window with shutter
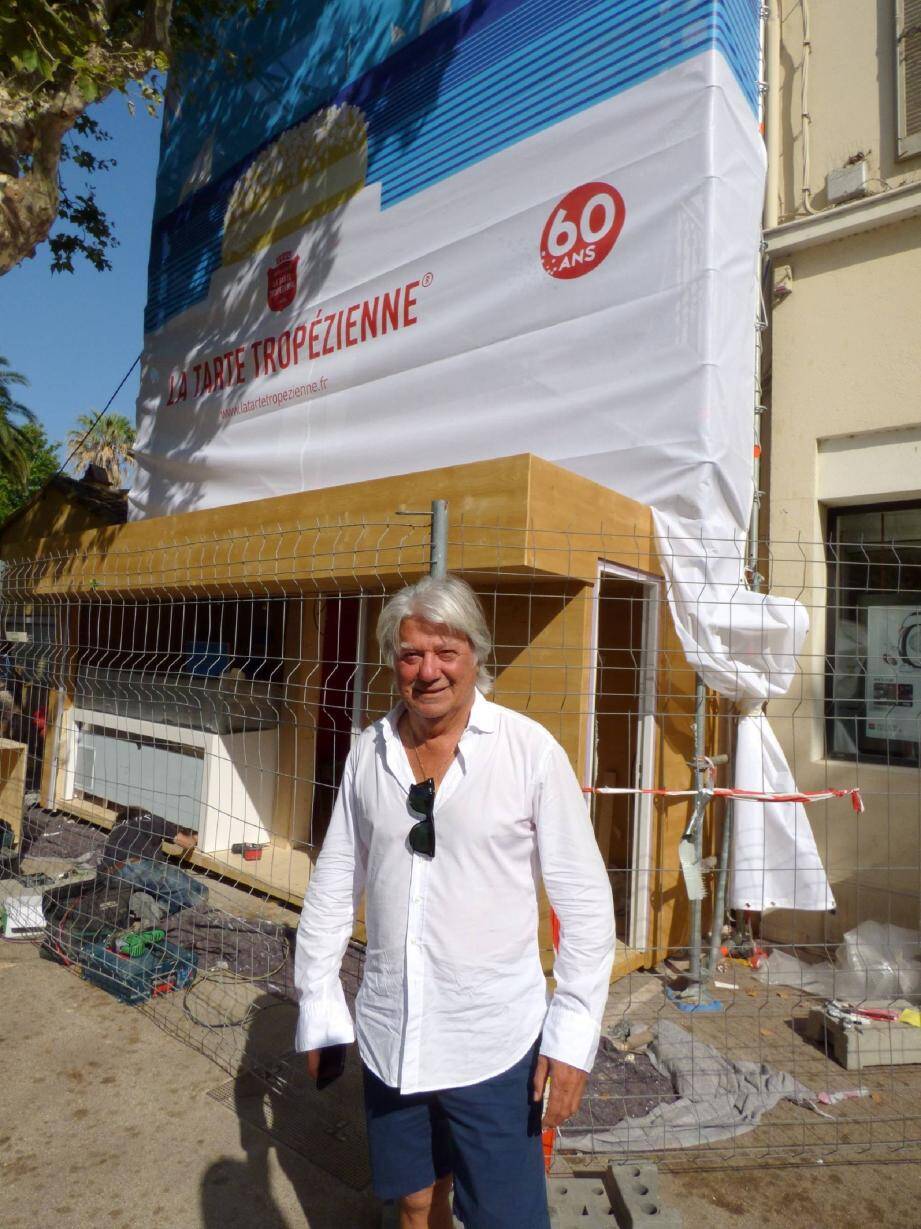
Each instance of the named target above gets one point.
<point>908,76</point>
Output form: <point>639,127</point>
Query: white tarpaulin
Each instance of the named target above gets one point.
<point>525,226</point>
<point>418,233</point>
<point>745,645</point>
<point>775,862</point>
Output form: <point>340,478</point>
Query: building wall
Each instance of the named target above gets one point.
<point>849,70</point>
<point>845,406</point>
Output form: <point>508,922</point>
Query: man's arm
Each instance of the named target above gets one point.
<point>580,893</point>
<point>325,927</point>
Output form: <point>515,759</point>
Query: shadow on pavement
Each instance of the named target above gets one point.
<point>318,1138</point>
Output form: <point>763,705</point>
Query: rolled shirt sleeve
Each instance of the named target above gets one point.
<point>577,885</point>
<point>325,927</point>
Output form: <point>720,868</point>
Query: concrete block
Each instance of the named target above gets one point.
<point>633,1189</point>
<point>578,1202</point>
<point>627,1197</point>
<point>876,1043</point>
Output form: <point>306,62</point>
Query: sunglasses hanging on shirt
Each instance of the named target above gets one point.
<point>421,799</point>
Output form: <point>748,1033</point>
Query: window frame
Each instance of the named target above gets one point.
<point>833,513</point>
<point>908,144</point>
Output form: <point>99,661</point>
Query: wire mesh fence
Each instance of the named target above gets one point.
<point>218,684</point>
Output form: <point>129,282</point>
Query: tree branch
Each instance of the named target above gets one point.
<point>29,201</point>
<point>157,16</point>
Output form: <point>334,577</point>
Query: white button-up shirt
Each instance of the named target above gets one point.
<point>453,990</point>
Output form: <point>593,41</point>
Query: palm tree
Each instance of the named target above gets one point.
<point>14,444</point>
<point>106,442</point>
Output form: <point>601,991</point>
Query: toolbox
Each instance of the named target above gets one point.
<point>83,924</point>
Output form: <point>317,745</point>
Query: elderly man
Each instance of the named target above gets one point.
<point>451,810</point>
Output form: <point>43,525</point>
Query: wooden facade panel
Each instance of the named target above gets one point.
<point>529,537</point>
<point>512,515</point>
<point>297,724</point>
<point>12,785</point>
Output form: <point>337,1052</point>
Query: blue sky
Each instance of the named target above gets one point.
<point>74,335</point>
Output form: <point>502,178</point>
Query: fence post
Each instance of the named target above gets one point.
<point>438,565</point>
<point>357,708</point>
<point>700,808</point>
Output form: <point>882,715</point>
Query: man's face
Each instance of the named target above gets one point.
<point>436,670</point>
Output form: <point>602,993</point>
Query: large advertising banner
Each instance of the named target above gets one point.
<point>401,235</point>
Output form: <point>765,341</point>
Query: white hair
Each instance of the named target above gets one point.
<point>446,601</point>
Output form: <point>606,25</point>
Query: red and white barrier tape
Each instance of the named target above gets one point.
<point>753,795</point>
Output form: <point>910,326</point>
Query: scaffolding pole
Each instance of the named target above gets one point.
<point>700,808</point>
<point>439,553</point>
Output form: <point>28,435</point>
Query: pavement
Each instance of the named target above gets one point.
<point>109,1119</point>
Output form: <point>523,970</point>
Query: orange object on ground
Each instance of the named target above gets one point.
<point>547,1140</point>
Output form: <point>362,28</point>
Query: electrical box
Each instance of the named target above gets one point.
<point>846,183</point>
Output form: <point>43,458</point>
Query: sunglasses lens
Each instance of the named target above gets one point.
<point>421,799</point>
<point>422,838</point>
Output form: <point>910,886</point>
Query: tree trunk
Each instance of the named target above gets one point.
<point>34,123</point>
<point>29,202</point>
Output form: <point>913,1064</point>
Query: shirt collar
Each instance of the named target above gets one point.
<point>483,719</point>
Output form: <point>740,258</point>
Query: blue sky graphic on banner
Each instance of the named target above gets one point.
<point>439,91</point>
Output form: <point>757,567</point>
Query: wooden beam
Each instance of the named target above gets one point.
<point>511,515</point>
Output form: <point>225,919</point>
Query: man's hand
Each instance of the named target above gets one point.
<point>334,1067</point>
<point>567,1084</point>
<point>185,840</point>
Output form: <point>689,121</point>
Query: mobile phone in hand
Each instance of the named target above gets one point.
<point>332,1065</point>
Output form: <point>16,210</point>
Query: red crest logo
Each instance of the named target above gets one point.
<point>282,282</point>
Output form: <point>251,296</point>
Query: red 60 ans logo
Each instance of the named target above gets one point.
<point>582,230</point>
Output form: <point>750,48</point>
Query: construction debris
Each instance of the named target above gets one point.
<point>853,1038</point>
<point>717,1098</point>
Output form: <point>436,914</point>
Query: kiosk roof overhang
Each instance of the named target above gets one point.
<point>517,514</point>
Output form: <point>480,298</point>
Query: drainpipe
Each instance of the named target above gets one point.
<point>772,113</point>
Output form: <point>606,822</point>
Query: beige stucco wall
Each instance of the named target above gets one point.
<point>846,428</point>
<point>850,96</point>
<point>846,362</point>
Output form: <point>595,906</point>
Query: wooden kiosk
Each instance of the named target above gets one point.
<point>568,573</point>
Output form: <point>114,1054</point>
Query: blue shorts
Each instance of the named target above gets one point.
<point>487,1135</point>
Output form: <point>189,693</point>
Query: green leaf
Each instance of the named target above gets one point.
<point>29,59</point>
<point>87,87</point>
